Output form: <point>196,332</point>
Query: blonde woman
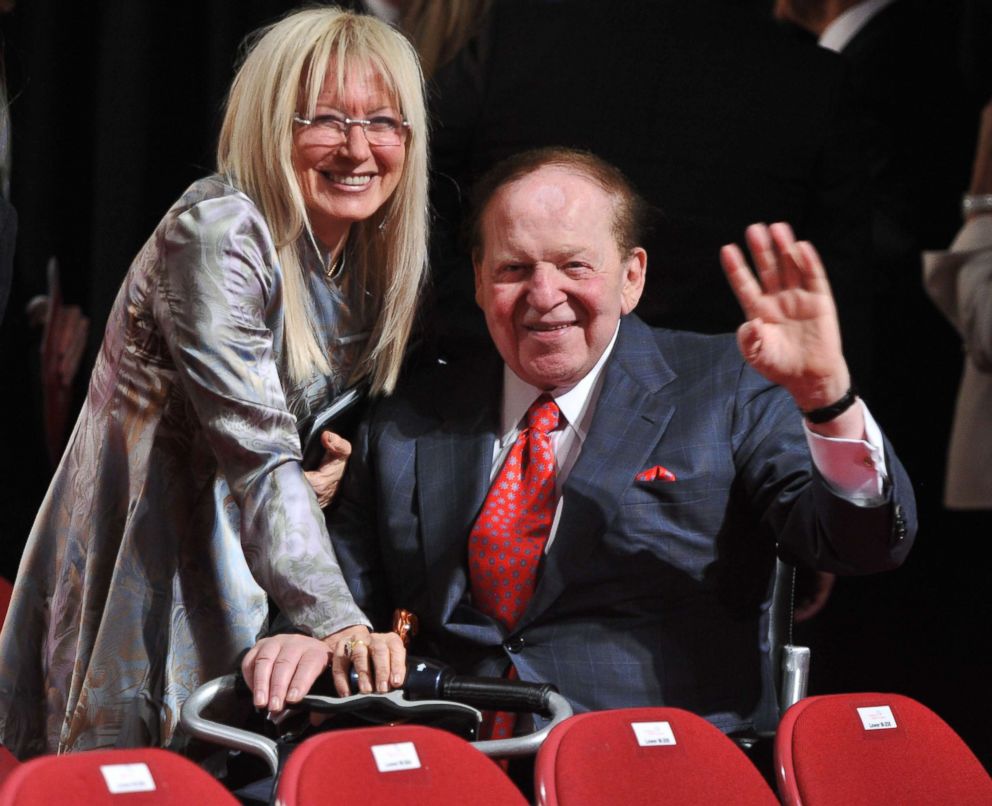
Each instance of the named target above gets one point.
<point>180,506</point>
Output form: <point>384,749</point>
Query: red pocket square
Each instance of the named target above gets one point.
<point>655,473</point>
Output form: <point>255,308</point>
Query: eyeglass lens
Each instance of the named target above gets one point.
<point>381,130</point>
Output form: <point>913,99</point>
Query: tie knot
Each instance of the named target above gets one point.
<point>543,414</point>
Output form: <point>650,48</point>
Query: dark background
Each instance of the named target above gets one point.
<point>115,107</point>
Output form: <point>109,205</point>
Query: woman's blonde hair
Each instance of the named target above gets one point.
<point>282,75</point>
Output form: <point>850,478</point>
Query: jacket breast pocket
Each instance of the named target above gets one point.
<point>661,493</point>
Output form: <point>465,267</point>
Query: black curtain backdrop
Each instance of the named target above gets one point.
<point>115,107</point>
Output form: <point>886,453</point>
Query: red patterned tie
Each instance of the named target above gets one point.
<point>506,544</point>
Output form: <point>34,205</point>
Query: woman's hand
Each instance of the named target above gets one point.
<point>326,478</point>
<point>282,668</point>
<point>379,654</point>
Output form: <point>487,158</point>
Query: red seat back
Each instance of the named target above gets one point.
<point>6,590</point>
<point>645,755</point>
<point>8,763</point>
<point>408,764</point>
<point>829,752</point>
<point>117,777</point>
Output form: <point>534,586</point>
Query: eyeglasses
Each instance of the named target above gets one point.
<point>381,130</point>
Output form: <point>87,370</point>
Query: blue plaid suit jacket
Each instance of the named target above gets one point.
<point>652,592</point>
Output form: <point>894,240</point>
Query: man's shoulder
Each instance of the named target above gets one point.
<point>682,350</point>
<point>707,364</point>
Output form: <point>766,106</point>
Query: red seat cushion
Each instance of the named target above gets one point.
<point>596,758</point>
<point>341,766</point>
<point>76,778</point>
<point>825,755</point>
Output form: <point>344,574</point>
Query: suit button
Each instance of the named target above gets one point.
<point>900,523</point>
<point>514,645</point>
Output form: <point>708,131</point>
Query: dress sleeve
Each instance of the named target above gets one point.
<point>219,280</point>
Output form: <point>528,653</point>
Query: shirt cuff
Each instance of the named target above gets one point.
<point>852,468</point>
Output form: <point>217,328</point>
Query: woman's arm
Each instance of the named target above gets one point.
<point>220,287</point>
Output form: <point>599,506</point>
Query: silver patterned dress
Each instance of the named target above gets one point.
<point>180,500</point>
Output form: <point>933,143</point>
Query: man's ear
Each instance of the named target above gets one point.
<point>634,269</point>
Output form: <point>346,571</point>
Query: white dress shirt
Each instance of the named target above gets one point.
<point>853,468</point>
<point>843,29</point>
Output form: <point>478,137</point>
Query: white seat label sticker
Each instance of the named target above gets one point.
<point>650,734</point>
<point>122,778</point>
<point>877,717</point>
<point>393,757</point>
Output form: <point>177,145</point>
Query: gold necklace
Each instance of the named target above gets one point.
<point>334,267</point>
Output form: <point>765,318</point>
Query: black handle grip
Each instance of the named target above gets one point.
<point>499,695</point>
<point>424,678</point>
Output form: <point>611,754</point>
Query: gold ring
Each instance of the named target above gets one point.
<point>351,643</point>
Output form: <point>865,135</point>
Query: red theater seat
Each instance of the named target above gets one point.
<point>117,777</point>
<point>408,764</point>
<point>632,756</point>
<point>8,763</point>
<point>874,748</point>
<point>6,589</point>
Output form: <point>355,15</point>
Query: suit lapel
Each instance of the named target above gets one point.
<point>631,416</point>
<point>453,463</point>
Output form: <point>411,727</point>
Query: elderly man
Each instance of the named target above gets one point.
<point>598,504</point>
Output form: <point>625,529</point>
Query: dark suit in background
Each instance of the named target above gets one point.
<point>718,118</point>
<point>905,69</point>
<point>909,70</point>
<point>651,592</point>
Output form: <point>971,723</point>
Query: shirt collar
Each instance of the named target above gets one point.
<point>843,29</point>
<point>574,402</point>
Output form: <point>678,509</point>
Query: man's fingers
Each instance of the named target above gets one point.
<point>784,241</point>
<point>741,279</point>
<point>782,235</point>
<point>814,274</point>
<point>759,243</point>
<point>750,340</point>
